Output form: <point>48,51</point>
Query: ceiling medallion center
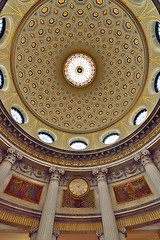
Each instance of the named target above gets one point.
<point>79,70</point>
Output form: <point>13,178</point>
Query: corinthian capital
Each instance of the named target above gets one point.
<point>56,173</point>
<point>100,173</point>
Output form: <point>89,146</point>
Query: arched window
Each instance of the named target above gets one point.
<point>157,83</point>
<point>17,115</point>
<point>2,26</point>
<point>157,30</point>
<point>140,117</point>
<point>111,138</point>
<point>78,144</point>
<point>45,137</point>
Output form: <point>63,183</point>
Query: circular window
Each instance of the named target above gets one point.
<point>17,115</point>
<point>2,27</point>
<point>78,144</point>
<point>79,70</point>
<point>157,30</point>
<point>45,137</point>
<point>111,138</point>
<point>157,83</point>
<point>140,117</point>
<point>1,79</point>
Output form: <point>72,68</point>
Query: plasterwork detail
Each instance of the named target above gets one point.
<point>30,171</point>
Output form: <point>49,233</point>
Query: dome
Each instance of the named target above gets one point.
<point>79,84</point>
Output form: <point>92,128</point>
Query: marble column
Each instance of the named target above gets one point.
<point>55,234</point>
<point>110,229</point>
<point>153,173</point>
<point>33,233</point>
<point>122,233</point>
<point>156,158</point>
<point>48,213</point>
<point>100,235</point>
<point>8,161</point>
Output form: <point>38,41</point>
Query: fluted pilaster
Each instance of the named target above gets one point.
<point>55,234</point>
<point>33,233</point>
<point>100,235</point>
<point>48,213</point>
<point>108,218</point>
<point>122,233</point>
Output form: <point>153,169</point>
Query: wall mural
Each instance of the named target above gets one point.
<point>85,202</point>
<point>23,189</point>
<point>132,190</point>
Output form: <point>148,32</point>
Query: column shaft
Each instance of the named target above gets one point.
<point>108,218</point>
<point>48,213</point>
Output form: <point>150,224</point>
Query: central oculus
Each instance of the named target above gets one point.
<point>79,69</point>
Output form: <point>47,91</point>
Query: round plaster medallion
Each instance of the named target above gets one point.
<point>109,34</point>
<point>79,70</point>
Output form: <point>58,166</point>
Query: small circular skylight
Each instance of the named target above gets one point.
<point>140,117</point>
<point>2,26</point>
<point>111,138</point>
<point>79,70</point>
<point>78,145</point>
<point>45,137</point>
<point>17,115</point>
<point>1,80</point>
<point>157,30</point>
<point>157,83</point>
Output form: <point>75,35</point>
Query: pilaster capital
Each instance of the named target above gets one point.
<point>100,173</point>
<point>143,157</point>
<point>56,173</point>
<point>99,233</point>
<point>32,231</point>
<point>19,155</point>
<point>56,233</point>
<point>11,155</point>
<point>123,231</point>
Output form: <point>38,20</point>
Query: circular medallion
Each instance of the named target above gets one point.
<point>79,70</point>
<point>78,187</point>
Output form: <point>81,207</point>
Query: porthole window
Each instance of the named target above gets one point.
<point>2,26</point>
<point>140,117</point>
<point>46,137</point>
<point>1,79</point>
<point>157,30</point>
<point>157,83</point>
<point>17,115</point>
<point>78,144</point>
<point>111,138</point>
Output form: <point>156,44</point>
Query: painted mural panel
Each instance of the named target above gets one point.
<point>132,190</point>
<point>23,189</point>
<point>86,202</point>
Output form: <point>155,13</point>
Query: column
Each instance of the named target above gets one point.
<point>8,161</point>
<point>122,233</point>
<point>48,213</point>
<point>55,234</point>
<point>100,235</point>
<point>156,158</point>
<point>33,233</point>
<point>108,218</point>
<point>151,169</point>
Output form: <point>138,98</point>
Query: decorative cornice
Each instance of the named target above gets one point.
<point>33,147</point>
